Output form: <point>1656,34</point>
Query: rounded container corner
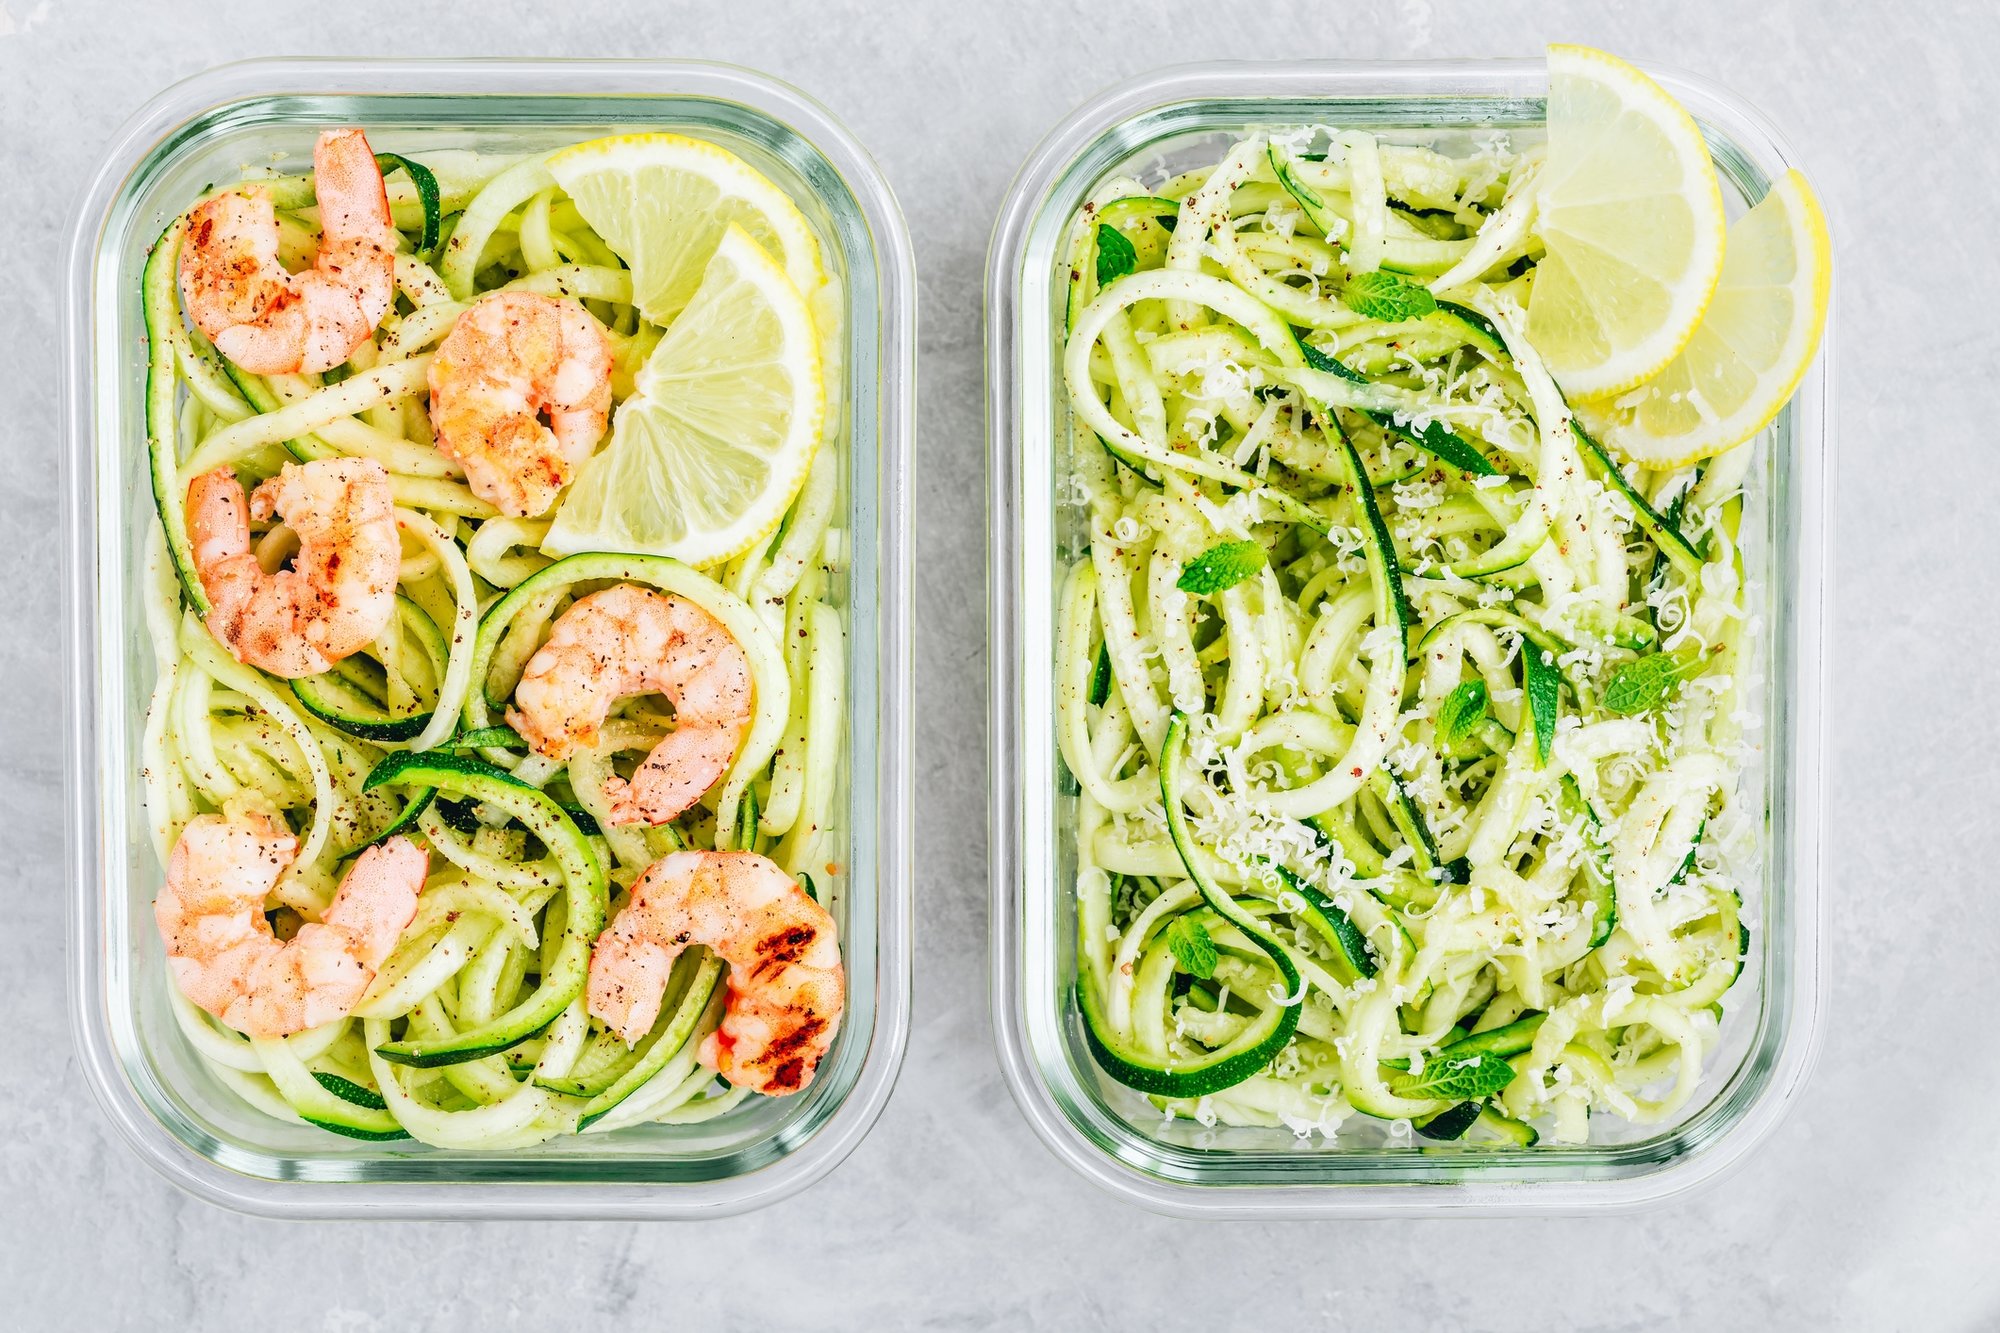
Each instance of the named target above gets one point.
<point>857,207</point>
<point>1061,1098</point>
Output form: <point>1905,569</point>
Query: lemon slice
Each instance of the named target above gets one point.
<point>662,203</point>
<point>715,441</point>
<point>1631,213</point>
<point>1752,347</point>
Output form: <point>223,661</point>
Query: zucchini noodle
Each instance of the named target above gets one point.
<point>1404,724</point>
<point>473,1033</point>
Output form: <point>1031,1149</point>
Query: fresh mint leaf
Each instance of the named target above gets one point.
<point>1544,684</point>
<point>1456,1078</point>
<point>1220,568</point>
<point>1115,255</point>
<point>1641,685</point>
<point>1192,947</point>
<point>1459,718</point>
<point>1387,296</point>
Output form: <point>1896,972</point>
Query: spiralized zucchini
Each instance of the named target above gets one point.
<point>1406,727</point>
<point>511,874</point>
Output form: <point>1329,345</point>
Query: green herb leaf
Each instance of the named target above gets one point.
<point>1192,947</point>
<point>1641,685</point>
<point>1544,684</point>
<point>1456,1078</point>
<point>1387,296</point>
<point>1115,255</point>
<point>806,882</point>
<point>427,193</point>
<point>1100,677</point>
<point>1460,717</point>
<point>1220,568</point>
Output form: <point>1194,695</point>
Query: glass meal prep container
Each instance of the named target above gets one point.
<point>166,1102</point>
<point>1175,120</point>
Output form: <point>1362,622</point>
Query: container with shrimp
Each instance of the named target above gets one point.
<point>377,912</point>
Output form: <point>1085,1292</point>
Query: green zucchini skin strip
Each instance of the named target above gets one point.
<point>1261,1040</point>
<point>406,823</point>
<point>663,1046</point>
<point>349,1091</point>
<point>670,1035</point>
<point>161,308</point>
<point>1510,1039</point>
<point>585,898</point>
<point>1331,924</point>
<point>1392,607</point>
<point>355,1132</point>
<point>1435,439</point>
<point>258,393</point>
<point>1513,1131</point>
<point>427,193</point>
<point>325,1100</point>
<point>1678,550</point>
<point>312,691</point>
<point>485,738</point>
<point>1604,887</point>
<point>1484,336</point>
<point>316,700</point>
<point>369,1120</point>
<point>1665,534</point>
<point>1450,1124</point>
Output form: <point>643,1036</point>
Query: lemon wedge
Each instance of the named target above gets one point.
<point>1630,211</point>
<point>1752,347</point>
<point>724,418</point>
<point>662,203</point>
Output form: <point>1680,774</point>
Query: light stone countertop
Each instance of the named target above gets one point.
<point>1873,1207</point>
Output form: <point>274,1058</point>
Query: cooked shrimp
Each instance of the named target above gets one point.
<point>508,361</point>
<point>271,322</point>
<point>222,951</point>
<point>628,640</point>
<point>785,976</point>
<point>341,590</point>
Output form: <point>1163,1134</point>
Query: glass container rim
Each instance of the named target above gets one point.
<point>1124,1169</point>
<point>595,1192</point>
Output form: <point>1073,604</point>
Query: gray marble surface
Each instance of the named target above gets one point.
<point>1870,1208</point>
